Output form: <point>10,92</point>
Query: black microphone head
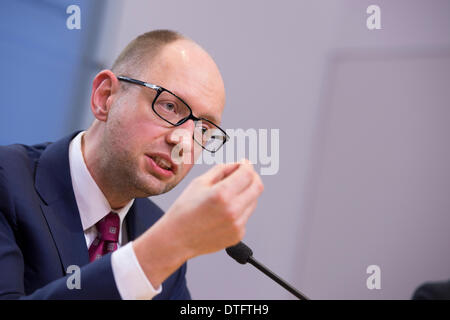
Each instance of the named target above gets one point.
<point>240,252</point>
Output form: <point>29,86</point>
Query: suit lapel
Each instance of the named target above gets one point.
<point>54,185</point>
<point>141,216</point>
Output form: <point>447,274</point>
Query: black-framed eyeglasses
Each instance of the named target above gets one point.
<point>172,109</point>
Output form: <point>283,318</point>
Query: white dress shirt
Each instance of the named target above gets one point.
<point>130,279</point>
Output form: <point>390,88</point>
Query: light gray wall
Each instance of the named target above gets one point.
<point>363,119</point>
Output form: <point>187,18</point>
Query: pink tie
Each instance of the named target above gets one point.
<point>106,241</point>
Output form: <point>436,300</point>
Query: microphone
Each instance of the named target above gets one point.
<point>243,254</point>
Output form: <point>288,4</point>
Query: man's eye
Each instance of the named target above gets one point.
<point>169,106</point>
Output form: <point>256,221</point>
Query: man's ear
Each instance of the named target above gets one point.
<point>104,86</point>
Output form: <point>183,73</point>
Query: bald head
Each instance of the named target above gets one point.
<point>143,49</point>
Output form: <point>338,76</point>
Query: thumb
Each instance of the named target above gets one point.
<point>220,171</point>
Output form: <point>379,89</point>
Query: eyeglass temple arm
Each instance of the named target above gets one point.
<point>139,82</point>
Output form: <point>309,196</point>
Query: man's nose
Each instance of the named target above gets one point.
<point>182,135</point>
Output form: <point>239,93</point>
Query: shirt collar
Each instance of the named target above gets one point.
<point>92,203</point>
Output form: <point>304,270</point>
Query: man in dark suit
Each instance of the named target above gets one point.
<point>75,221</point>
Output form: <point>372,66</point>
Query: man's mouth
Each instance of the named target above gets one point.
<point>163,163</point>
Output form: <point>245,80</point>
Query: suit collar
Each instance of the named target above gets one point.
<point>54,185</point>
<point>53,180</point>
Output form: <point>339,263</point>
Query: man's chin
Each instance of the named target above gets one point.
<point>152,186</point>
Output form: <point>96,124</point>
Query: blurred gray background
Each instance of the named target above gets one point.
<point>363,116</point>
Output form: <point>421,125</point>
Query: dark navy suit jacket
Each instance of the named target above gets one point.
<point>41,233</point>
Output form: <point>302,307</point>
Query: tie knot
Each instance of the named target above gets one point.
<point>108,227</point>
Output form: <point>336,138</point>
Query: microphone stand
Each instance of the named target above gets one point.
<point>275,278</point>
